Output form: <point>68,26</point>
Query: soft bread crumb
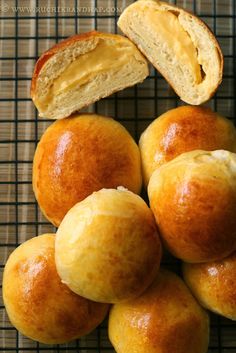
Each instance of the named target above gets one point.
<point>140,23</point>
<point>132,70</point>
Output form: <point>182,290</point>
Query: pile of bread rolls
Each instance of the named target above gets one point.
<point>87,175</point>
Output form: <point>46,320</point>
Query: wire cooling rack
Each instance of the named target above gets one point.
<point>27,29</point>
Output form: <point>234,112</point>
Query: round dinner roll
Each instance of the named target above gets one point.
<point>214,285</point>
<point>107,246</point>
<point>165,319</point>
<point>38,304</point>
<point>184,129</point>
<point>193,198</point>
<point>79,155</point>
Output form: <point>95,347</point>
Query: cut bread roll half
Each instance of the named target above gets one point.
<point>178,44</point>
<point>82,69</point>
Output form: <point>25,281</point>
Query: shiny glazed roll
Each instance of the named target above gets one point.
<point>214,285</point>
<point>107,246</point>
<point>164,319</point>
<point>193,199</point>
<point>38,304</point>
<point>80,155</point>
<point>184,129</point>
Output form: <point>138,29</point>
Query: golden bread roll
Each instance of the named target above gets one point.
<point>184,129</point>
<point>107,246</point>
<point>38,304</point>
<point>165,319</point>
<point>214,285</point>
<point>193,198</point>
<point>79,155</point>
<point>178,44</point>
<point>82,69</point>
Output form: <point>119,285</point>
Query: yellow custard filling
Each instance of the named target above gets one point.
<point>104,57</point>
<point>167,25</point>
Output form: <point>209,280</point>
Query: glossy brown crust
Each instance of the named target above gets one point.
<point>196,225</point>
<point>38,304</point>
<point>184,129</point>
<point>194,204</point>
<point>192,128</point>
<point>60,46</point>
<point>166,318</point>
<point>116,249</point>
<point>80,155</point>
<point>214,285</point>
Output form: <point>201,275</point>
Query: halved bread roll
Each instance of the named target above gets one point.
<point>178,44</point>
<point>82,69</point>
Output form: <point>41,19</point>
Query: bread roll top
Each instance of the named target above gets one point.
<point>193,198</point>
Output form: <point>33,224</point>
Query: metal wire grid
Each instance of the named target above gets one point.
<point>24,35</point>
